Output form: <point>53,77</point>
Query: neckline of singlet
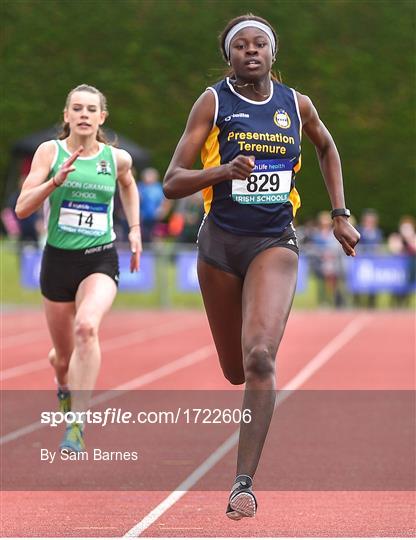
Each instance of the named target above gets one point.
<point>251,100</point>
<point>64,146</point>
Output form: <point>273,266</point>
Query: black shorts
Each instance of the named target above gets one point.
<point>62,270</point>
<point>233,253</point>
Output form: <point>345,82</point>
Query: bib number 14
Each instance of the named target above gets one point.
<point>89,219</point>
<point>85,219</point>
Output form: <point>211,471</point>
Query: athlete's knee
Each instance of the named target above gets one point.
<point>259,362</point>
<point>86,329</point>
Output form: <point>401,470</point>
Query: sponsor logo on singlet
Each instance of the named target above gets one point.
<point>236,115</point>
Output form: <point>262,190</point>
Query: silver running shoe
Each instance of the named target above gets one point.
<point>242,502</point>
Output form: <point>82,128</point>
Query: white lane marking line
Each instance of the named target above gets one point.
<point>304,374</point>
<point>184,361</point>
<point>22,338</point>
<point>28,367</point>
<point>138,336</point>
<point>159,373</point>
<point>327,352</point>
<point>184,487</point>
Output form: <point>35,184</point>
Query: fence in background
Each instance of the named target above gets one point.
<point>166,264</point>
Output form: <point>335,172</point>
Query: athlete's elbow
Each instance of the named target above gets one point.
<point>326,149</point>
<point>169,190</point>
<point>20,211</point>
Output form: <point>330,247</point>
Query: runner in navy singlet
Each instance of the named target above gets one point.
<point>248,129</point>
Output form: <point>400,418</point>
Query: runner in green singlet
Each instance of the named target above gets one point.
<point>75,179</point>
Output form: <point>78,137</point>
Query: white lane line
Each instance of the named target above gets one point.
<point>28,367</point>
<point>304,374</point>
<point>159,373</point>
<point>138,336</point>
<point>22,338</point>
<point>184,487</point>
<point>327,352</point>
<point>176,365</point>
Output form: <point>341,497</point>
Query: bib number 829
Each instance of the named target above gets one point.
<point>263,183</point>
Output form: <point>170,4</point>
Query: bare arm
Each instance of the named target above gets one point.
<point>129,196</point>
<point>35,190</point>
<point>180,180</point>
<point>330,164</point>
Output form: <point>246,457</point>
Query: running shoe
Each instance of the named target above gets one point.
<point>242,502</point>
<point>73,441</point>
<point>64,398</point>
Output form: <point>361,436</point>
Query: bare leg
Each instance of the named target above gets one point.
<point>247,322</point>
<point>221,292</point>
<point>60,320</point>
<point>94,298</point>
<point>268,292</point>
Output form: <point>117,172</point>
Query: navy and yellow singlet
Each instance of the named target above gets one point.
<point>270,130</point>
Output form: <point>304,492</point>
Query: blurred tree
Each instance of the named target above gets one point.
<point>153,58</point>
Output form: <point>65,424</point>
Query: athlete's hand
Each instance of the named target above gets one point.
<point>346,235</point>
<point>135,239</point>
<point>240,167</point>
<point>66,168</point>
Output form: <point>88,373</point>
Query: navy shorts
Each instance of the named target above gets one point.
<point>62,270</point>
<point>233,253</point>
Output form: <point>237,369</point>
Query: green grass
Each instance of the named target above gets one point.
<point>165,294</point>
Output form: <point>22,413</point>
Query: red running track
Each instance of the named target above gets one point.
<point>377,355</point>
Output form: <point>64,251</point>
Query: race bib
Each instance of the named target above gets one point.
<point>89,219</point>
<point>269,183</point>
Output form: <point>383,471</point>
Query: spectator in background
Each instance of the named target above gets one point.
<point>403,242</point>
<point>120,223</point>
<point>304,232</point>
<point>407,233</point>
<point>30,229</point>
<point>151,202</point>
<point>161,229</point>
<point>327,262</point>
<point>371,234</point>
<point>371,243</point>
<point>187,217</point>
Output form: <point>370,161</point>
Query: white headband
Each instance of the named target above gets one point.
<point>248,24</point>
